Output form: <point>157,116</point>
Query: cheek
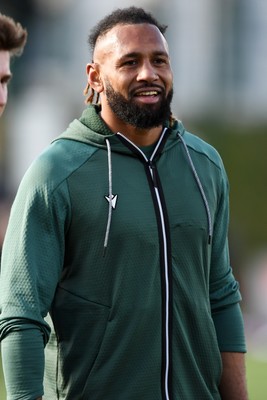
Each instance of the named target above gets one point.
<point>3,94</point>
<point>166,77</point>
<point>169,79</point>
<point>119,84</point>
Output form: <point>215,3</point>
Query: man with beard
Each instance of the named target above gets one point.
<point>119,233</point>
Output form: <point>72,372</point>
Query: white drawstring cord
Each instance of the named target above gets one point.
<point>109,197</point>
<point>199,185</point>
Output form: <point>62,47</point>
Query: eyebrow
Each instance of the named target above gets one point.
<point>137,54</point>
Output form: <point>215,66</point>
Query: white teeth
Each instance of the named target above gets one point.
<point>151,93</point>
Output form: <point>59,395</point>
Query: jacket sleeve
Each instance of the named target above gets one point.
<point>32,260</point>
<point>224,289</point>
<point>229,327</point>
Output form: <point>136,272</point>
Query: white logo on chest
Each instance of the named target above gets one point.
<point>112,200</point>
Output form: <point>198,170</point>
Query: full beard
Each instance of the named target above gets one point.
<point>142,116</point>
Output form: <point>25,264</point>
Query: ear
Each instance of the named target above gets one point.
<point>93,77</point>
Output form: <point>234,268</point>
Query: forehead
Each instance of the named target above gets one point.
<point>125,39</point>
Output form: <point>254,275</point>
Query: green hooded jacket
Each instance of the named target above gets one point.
<point>116,260</point>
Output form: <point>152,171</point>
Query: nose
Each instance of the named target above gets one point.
<point>147,72</point>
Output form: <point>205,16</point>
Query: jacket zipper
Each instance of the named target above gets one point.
<point>152,169</point>
<point>150,164</point>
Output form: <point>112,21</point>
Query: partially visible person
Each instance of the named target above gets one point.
<point>12,41</point>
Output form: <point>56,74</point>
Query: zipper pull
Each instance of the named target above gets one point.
<point>153,172</point>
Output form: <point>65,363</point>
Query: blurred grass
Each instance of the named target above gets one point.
<point>2,385</point>
<point>256,377</point>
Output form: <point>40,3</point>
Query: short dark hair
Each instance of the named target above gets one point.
<point>12,36</point>
<point>122,16</point>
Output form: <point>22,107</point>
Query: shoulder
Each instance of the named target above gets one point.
<point>201,148</point>
<point>205,158</point>
<point>56,163</point>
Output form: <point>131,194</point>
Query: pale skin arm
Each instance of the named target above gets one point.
<point>233,382</point>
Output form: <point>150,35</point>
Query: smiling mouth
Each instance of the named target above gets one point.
<point>148,93</point>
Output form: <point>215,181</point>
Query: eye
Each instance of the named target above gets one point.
<point>160,61</point>
<point>130,63</point>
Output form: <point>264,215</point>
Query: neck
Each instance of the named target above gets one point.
<point>140,137</point>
